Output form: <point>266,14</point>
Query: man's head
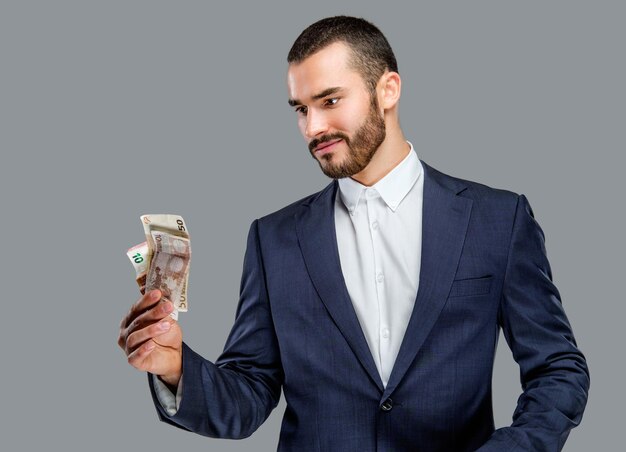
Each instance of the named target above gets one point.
<point>370,55</point>
<point>342,81</point>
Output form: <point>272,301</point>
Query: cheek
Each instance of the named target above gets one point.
<point>349,118</point>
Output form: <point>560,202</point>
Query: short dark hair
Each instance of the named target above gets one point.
<point>371,53</point>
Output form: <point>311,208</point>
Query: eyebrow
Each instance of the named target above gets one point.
<point>326,92</point>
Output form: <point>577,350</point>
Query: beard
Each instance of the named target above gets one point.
<point>361,147</point>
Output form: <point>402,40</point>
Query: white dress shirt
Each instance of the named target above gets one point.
<point>379,236</point>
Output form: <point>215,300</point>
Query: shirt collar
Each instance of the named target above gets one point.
<point>392,188</point>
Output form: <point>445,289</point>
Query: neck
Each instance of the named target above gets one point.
<point>389,154</point>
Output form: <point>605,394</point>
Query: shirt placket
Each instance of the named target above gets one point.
<point>374,201</point>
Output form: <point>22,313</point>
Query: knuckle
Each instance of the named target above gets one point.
<point>155,312</point>
<point>130,342</point>
<point>140,319</point>
<point>136,324</point>
<point>123,337</point>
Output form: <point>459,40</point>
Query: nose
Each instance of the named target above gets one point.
<point>316,124</point>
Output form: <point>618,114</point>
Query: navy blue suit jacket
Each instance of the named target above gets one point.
<point>484,268</point>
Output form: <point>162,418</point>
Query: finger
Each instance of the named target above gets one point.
<point>157,312</point>
<point>138,357</point>
<point>136,338</point>
<point>144,303</point>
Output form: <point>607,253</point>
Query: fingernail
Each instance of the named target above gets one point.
<point>155,295</point>
<point>168,306</point>
<point>164,326</point>
<point>150,345</point>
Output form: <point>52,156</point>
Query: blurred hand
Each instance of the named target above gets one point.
<point>153,341</point>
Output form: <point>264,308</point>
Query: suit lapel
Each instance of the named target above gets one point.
<point>315,227</point>
<point>444,225</point>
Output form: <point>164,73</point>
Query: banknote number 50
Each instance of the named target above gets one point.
<point>181,225</point>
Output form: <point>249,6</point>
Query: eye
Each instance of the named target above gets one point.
<point>331,102</point>
<point>301,110</point>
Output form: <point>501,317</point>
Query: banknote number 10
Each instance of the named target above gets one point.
<point>137,258</point>
<point>181,225</point>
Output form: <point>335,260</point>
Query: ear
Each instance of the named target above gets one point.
<point>389,87</point>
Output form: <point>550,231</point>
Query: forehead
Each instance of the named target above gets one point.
<point>327,68</point>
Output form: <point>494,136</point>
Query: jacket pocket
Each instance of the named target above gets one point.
<point>471,286</point>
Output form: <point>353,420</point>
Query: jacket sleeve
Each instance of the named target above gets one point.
<point>553,371</point>
<point>232,397</point>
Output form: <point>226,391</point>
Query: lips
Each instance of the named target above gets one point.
<point>326,147</point>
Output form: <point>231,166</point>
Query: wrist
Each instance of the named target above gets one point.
<point>171,381</point>
<point>172,378</point>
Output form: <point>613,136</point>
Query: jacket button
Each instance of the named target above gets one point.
<point>387,405</point>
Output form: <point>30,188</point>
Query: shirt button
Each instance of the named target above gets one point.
<point>375,225</point>
<point>380,277</point>
<point>371,193</point>
<point>386,333</point>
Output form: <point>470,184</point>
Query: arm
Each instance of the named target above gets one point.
<point>234,396</point>
<point>554,374</point>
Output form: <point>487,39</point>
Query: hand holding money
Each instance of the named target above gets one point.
<point>151,339</point>
<point>149,334</point>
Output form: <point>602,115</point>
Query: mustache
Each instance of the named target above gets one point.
<point>325,138</point>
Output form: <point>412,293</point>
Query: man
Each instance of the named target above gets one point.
<point>375,303</point>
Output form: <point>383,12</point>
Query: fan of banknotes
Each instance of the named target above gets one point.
<point>162,261</point>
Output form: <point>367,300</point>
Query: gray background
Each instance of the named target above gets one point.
<point>114,109</point>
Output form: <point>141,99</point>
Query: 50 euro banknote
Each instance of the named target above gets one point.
<point>162,261</point>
